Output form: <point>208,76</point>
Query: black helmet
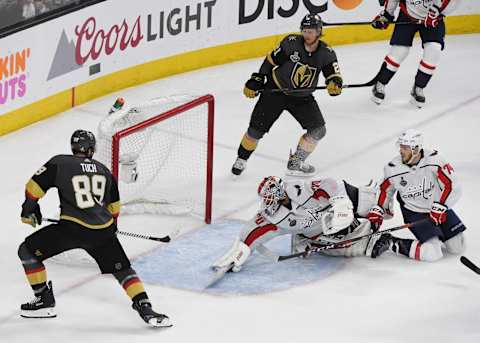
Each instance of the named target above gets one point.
<point>311,21</point>
<point>82,141</point>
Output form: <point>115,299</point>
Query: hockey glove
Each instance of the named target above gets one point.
<point>382,20</point>
<point>31,213</point>
<point>438,213</point>
<point>375,216</point>
<point>253,85</point>
<point>334,86</point>
<point>433,18</point>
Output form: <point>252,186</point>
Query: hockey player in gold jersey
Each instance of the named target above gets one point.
<point>89,204</point>
<point>286,80</point>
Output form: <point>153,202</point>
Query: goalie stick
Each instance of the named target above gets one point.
<point>469,264</point>
<point>164,239</point>
<point>348,242</point>
<point>219,273</point>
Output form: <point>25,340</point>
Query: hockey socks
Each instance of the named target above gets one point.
<point>131,283</point>
<point>34,269</point>
<point>247,147</point>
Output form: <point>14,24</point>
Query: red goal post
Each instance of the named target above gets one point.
<point>168,115</point>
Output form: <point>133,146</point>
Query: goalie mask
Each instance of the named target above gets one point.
<point>271,191</point>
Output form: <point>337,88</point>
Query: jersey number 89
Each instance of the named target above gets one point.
<point>89,190</point>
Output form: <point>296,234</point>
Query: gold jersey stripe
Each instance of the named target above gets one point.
<point>270,59</point>
<point>89,226</point>
<point>332,76</point>
<point>34,189</point>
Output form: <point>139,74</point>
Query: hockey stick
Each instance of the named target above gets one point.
<point>219,273</point>
<point>469,264</point>
<point>367,23</point>
<point>164,239</point>
<point>348,242</point>
<point>302,90</point>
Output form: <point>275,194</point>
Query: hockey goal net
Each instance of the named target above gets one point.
<point>161,153</point>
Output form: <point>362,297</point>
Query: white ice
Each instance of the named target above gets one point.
<point>391,299</point>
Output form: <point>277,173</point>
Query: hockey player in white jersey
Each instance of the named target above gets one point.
<point>426,188</point>
<point>426,17</point>
<point>320,209</point>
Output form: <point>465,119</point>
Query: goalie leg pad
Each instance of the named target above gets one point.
<point>341,215</point>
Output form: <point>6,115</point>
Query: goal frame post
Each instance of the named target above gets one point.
<point>210,101</point>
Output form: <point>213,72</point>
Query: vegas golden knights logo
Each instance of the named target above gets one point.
<point>303,75</point>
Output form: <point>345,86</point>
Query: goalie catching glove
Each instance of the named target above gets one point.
<point>254,84</point>
<point>31,213</point>
<point>234,258</point>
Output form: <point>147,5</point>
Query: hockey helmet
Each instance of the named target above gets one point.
<point>412,138</point>
<point>271,191</point>
<point>311,21</point>
<point>82,141</point>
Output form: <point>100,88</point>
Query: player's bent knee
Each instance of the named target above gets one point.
<point>431,250</point>
<point>456,245</point>
<point>318,133</point>
<point>254,133</point>
<point>24,253</point>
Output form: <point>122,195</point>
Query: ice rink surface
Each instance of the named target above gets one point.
<point>391,299</point>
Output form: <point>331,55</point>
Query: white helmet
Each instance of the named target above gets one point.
<point>271,190</point>
<point>412,138</point>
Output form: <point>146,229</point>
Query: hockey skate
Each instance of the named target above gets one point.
<point>239,166</point>
<point>378,245</point>
<point>418,99</point>
<point>149,316</point>
<point>297,167</point>
<point>43,306</point>
<point>378,93</point>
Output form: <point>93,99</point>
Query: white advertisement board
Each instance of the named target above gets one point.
<point>108,37</point>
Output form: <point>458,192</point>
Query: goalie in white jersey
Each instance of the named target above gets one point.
<point>425,17</point>
<point>320,209</point>
<point>426,188</point>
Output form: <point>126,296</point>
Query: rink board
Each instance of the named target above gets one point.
<point>186,264</point>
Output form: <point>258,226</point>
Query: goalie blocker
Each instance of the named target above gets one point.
<point>317,210</point>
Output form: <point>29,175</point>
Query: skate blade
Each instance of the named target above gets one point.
<point>164,323</point>
<point>41,313</point>
<point>298,173</point>
<point>416,103</point>
<point>376,100</point>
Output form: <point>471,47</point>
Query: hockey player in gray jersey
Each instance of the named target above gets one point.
<point>320,209</point>
<point>426,188</point>
<point>425,17</point>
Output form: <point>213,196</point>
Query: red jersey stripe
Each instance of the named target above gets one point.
<point>258,232</point>
<point>447,183</point>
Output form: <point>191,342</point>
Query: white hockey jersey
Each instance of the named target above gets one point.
<point>418,9</point>
<point>431,180</point>
<point>309,202</point>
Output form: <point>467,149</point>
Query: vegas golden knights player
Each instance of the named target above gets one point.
<point>89,204</point>
<point>295,64</point>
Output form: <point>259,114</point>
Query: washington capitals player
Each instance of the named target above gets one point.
<point>426,187</point>
<point>426,17</point>
<point>320,209</point>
